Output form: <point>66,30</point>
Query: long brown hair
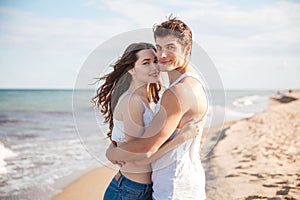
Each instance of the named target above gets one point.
<point>118,81</point>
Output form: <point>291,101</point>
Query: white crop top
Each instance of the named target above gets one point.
<point>118,134</point>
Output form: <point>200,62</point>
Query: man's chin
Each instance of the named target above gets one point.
<point>165,68</point>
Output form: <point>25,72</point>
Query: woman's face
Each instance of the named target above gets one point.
<point>145,69</point>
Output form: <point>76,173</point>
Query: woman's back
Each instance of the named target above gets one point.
<point>131,116</point>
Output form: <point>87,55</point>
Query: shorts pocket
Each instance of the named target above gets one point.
<point>129,193</point>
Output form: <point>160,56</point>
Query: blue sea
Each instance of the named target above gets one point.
<point>48,138</point>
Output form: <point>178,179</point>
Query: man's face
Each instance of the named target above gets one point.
<point>170,53</point>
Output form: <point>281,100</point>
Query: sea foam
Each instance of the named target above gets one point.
<point>4,153</point>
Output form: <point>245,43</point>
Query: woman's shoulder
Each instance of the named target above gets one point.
<point>131,101</point>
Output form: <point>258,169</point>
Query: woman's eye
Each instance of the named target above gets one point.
<point>155,61</point>
<point>170,47</point>
<point>146,63</point>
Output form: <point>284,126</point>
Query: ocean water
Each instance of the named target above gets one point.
<point>50,137</point>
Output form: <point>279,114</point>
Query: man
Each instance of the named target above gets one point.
<point>178,174</point>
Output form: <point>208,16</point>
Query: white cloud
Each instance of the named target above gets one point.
<point>50,48</point>
<point>57,32</point>
<point>236,39</point>
<point>263,41</point>
<point>142,13</point>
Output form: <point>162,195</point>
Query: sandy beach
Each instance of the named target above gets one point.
<point>257,158</point>
<point>90,186</point>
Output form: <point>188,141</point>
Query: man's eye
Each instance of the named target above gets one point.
<point>170,47</point>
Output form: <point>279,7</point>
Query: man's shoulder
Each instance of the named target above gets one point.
<point>185,89</point>
<point>175,93</point>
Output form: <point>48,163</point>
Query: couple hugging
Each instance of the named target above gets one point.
<point>157,150</point>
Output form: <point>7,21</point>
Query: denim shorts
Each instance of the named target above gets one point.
<point>125,189</point>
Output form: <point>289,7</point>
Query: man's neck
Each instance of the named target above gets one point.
<point>174,74</point>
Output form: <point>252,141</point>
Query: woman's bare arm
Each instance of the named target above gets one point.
<point>132,107</point>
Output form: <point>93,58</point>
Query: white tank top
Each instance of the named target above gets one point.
<point>118,134</point>
<point>179,173</point>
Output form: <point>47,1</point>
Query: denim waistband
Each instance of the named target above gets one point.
<point>141,186</point>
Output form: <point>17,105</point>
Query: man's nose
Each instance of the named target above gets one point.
<point>162,53</point>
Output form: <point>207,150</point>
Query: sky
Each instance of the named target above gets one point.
<point>253,44</point>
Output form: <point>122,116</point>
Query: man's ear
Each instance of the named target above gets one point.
<point>188,49</point>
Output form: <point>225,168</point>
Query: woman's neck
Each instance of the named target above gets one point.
<point>140,89</point>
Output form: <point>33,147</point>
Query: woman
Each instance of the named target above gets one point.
<point>124,100</point>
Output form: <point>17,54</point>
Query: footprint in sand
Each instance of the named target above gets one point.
<point>245,160</point>
<point>269,185</point>
<point>257,175</point>
<point>231,175</point>
<point>283,192</point>
<point>244,166</point>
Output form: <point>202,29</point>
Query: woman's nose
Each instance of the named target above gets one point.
<point>154,67</point>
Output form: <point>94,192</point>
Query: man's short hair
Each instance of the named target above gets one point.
<point>175,27</point>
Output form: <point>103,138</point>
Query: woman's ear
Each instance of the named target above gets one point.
<point>131,71</point>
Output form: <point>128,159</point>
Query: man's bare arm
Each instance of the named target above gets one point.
<point>189,131</point>
<point>159,130</point>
